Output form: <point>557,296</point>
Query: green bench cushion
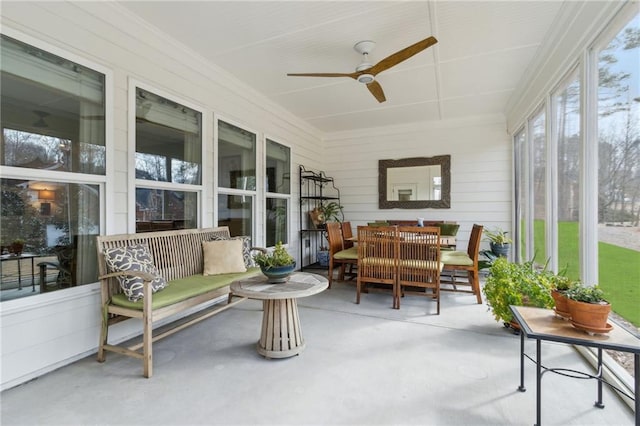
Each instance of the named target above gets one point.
<point>185,288</point>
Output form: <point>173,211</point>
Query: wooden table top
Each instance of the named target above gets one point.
<point>544,324</point>
<point>300,284</point>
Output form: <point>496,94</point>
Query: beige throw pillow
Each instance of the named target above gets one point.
<point>223,257</point>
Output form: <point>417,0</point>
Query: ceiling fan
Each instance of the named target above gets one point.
<point>41,116</point>
<point>366,72</point>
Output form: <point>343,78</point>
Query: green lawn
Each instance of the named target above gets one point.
<point>619,268</point>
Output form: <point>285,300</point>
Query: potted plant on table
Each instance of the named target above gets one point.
<point>17,246</point>
<point>498,241</point>
<point>277,265</point>
<point>588,308</point>
<point>559,287</point>
<point>516,284</point>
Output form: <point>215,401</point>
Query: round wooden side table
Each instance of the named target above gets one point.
<point>281,334</point>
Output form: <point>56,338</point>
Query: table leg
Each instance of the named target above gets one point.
<point>636,362</point>
<point>521,388</point>
<point>599,403</point>
<point>538,382</point>
<point>281,335</point>
<point>33,281</point>
<point>19,276</point>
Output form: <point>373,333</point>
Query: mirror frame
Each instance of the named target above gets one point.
<point>444,161</point>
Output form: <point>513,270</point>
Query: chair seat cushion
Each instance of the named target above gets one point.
<point>377,261</point>
<point>420,264</point>
<point>456,258</point>
<point>347,254</point>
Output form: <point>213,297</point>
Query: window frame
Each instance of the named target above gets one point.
<point>277,195</point>
<point>133,182</point>
<point>105,182</point>
<point>256,195</point>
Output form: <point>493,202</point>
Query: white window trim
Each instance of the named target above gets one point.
<point>256,208</point>
<point>276,194</point>
<point>133,183</point>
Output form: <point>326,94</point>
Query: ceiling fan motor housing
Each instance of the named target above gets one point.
<point>366,78</point>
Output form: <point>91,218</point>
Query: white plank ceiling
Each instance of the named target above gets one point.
<point>483,50</point>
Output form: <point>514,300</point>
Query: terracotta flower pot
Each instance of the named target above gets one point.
<point>562,305</point>
<point>589,316</point>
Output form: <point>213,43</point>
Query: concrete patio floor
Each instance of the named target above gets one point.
<point>364,364</point>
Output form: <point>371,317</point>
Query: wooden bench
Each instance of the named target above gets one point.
<point>178,255</point>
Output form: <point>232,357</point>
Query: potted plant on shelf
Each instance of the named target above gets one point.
<point>330,212</point>
<point>588,308</point>
<point>516,284</point>
<point>498,241</point>
<point>277,265</point>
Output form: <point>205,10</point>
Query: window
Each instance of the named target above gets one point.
<point>566,110</point>
<point>169,151</point>
<point>595,127</point>
<point>278,172</point>
<point>539,178</point>
<point>618,148</point>
<point>521,191</point>
<point>236,178</point>
<point>53,163</point>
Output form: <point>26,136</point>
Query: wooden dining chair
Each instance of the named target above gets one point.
<point>338,255</point>
<point>466,262</point>
<point>419,264</point>
<point>378,259</point>
<point>347,233</point>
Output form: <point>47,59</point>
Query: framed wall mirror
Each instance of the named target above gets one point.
<point>415,183</point>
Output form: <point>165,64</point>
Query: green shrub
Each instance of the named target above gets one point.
<point>517,284</point>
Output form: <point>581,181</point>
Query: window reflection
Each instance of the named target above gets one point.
<point>60,125</point>
<point>236,212</point>
<point>276,221</point>
<point>168,140</point>
<point>236,157</point>
<point>57,223</point>
<point>161,210</point>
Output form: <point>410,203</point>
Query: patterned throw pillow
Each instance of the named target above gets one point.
<point>246,248</point>
<point>133,258</point>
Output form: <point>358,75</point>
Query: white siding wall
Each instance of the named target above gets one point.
<point>43,332</point>
<point>480,152</point>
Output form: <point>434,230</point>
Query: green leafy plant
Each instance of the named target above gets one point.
<point>516,284</point>
<point>497,236</point>
<point>587,294</point>
<point>561,283</point>
<point>331,211</point>
<point>278,257</point>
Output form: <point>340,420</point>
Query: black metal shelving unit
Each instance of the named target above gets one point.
<point>315,189</point>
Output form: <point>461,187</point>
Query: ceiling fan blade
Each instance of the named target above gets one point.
<point>376,90</point>
<point>401,55</point>
<point>325,74</point>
